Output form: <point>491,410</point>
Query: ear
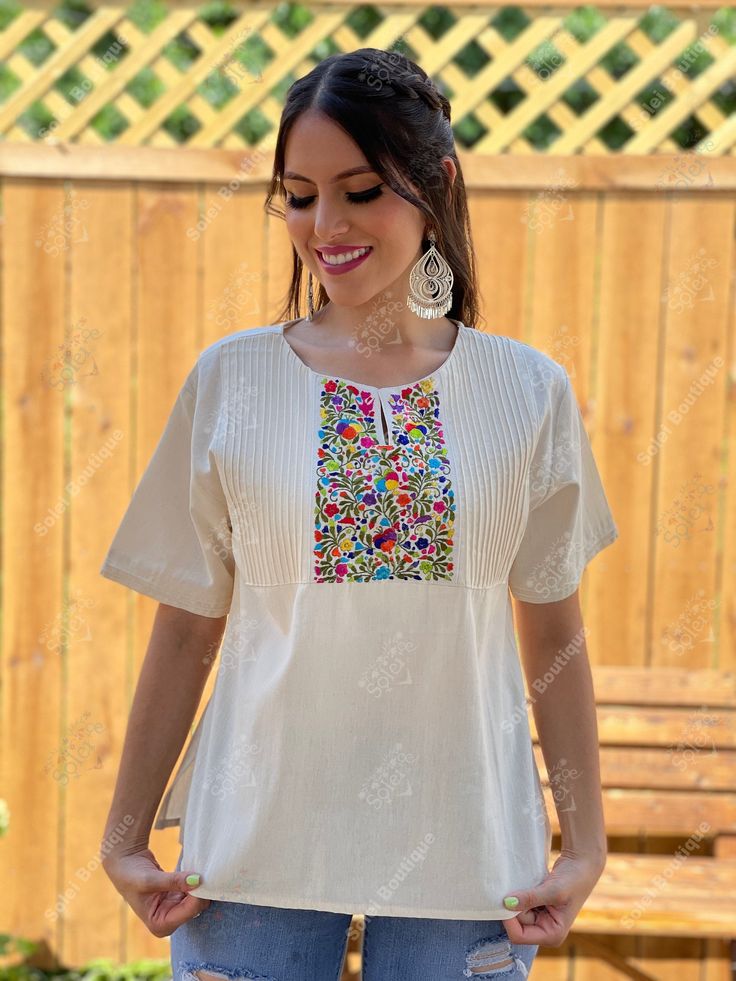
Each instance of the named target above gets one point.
<point>449,164</point>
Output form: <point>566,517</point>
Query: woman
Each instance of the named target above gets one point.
<point>350,496</point>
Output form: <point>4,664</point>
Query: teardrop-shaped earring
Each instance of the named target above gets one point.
<point>310,297</point>
<point>430,284</point>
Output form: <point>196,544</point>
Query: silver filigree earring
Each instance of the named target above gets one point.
<point>430,284</point>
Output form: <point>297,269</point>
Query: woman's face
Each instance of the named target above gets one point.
<point>334,216</point>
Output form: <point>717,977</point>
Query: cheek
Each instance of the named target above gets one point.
<point>390,218</point>
<point>400,224</point>
<point>300,230</point>
<point>298,223</point>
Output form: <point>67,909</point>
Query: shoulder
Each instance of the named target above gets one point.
<point>540,378</point>
<point>251,337</point>
<point>207,369</point>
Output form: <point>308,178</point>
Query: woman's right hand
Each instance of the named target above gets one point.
<point>161,899</point>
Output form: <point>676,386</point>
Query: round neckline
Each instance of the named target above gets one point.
<point>325,375</point>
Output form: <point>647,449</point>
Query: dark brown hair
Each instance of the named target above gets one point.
<point>401,121</point>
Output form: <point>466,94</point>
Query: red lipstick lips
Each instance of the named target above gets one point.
<point>344,267</point>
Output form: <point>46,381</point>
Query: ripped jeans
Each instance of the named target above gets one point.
<point>234,941</point>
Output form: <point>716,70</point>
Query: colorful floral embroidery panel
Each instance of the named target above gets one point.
<point>382,511</point>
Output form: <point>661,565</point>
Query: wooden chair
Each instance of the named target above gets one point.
<point>668,769</point>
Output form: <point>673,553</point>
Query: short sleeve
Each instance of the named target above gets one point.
<point>569,517</point>
<point>174,542</point>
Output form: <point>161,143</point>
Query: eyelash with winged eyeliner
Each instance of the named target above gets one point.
<point>357,197</point>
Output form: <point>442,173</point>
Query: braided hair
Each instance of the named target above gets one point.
<point>399,76</point>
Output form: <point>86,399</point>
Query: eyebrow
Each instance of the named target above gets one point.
<point>365,169</point>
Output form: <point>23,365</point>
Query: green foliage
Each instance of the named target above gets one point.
<point>10,945</point>
<point>100,969</point>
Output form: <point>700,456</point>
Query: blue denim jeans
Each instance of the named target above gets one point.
<point>230,941</point>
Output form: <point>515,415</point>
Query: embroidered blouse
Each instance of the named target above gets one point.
<point>366,747</point>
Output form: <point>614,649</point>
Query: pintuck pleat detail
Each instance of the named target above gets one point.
<point>315,499</point>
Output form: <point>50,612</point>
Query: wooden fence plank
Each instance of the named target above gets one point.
<point>726,567</point>
<point>690,427</point>
<point>35,555</point>
<point>632,257</point>
<point>502,257</point>
<point>100,659</point>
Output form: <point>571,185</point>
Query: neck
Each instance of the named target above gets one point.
<point>378,323</point>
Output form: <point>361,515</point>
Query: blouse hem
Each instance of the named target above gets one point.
<point>386,909</point>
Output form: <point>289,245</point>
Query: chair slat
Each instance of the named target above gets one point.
<point>698,897</point>
<point>664,686</point>
<point>683,729</point>
<point>635,768</point>
<point>666,813</point>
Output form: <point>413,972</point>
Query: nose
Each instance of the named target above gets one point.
<point>330,220</point>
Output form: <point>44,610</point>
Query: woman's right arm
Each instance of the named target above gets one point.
<point>178,661</point>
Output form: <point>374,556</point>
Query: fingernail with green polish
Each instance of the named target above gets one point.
<point>511,901</point>
<point>193,880</point>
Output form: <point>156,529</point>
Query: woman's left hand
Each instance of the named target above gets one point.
<point>547,912</point>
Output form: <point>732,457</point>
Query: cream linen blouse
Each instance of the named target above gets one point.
<point>366,748</point>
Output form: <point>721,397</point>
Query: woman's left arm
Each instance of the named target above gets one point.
<point>552,636</point>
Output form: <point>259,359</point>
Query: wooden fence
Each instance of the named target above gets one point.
<point>121,262</point>
<point>105,311</point>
